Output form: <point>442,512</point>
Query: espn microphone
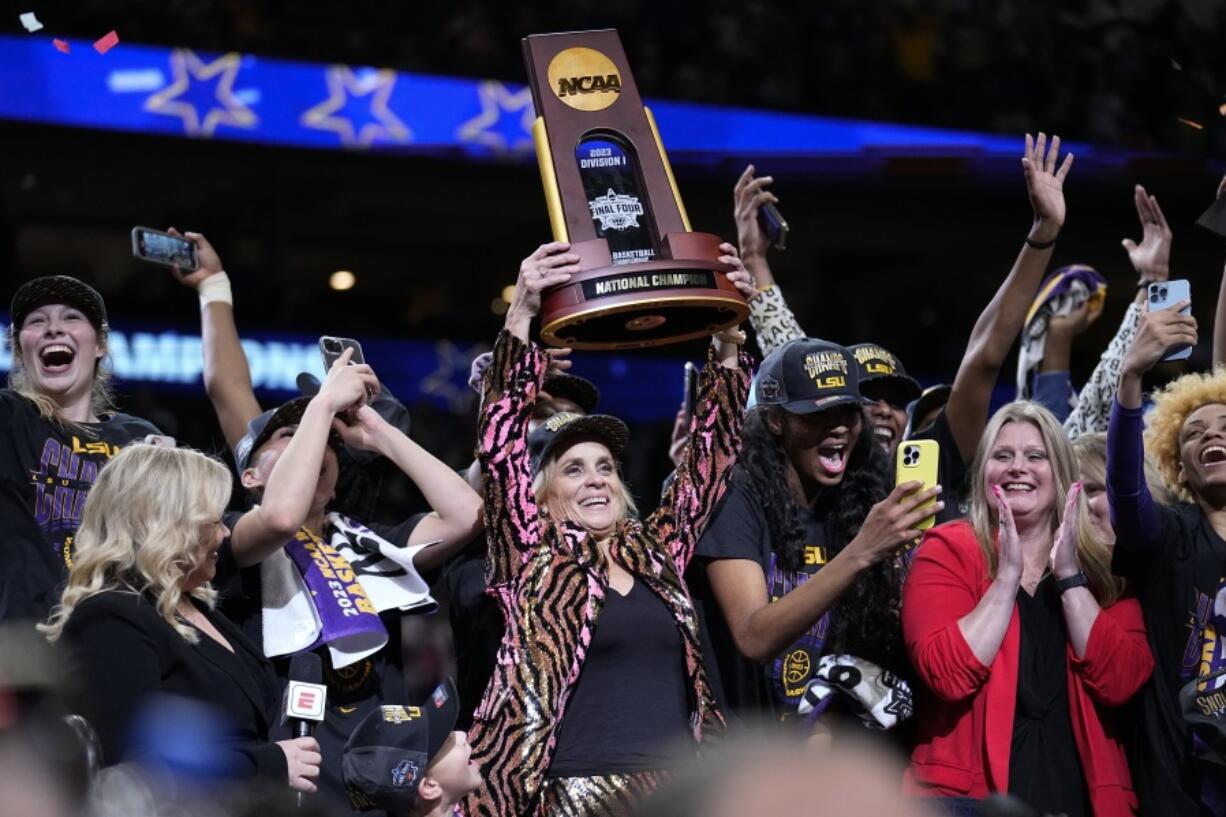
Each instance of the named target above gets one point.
<point>305,696</point>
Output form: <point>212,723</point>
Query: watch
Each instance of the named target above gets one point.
<point>1078,579</point>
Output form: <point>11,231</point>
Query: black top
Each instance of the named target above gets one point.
<point>1179,580</point>
<point>951,470</point>
<point>354,691</point>
<point>127,653</point>
<point>46,470</point>
<point>631,704</point>
<point>1044,767</point>
<point>477,626</point>
<point>738,530</point>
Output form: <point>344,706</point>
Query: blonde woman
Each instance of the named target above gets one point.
<point>57,429</point>
<point>138,615</point>
<point>1021,638</point>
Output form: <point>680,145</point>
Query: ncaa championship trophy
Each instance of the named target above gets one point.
<point>646,279</point>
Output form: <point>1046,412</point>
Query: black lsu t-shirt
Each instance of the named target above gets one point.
<point>951,470</point>
<point>46,471</point>
<point>1180,580</point>
<point>738,530</point>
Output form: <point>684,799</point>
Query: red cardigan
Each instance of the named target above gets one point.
<point>965,711</point>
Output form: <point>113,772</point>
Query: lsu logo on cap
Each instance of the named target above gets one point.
<point>399,714</point>
<point>584,79</point>
<point>876,360</point>
<point>827,370</point>
<point>560,419</point>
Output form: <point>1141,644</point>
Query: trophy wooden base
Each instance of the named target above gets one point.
<point>645,303</point>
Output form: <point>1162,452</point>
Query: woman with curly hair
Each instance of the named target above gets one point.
<point>798,577</point>
<point>1025,644</point>
<point>1176,557</point>
<point>138,616</point>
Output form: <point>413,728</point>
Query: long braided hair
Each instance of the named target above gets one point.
<point>866,620</point>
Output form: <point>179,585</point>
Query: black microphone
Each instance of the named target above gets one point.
<point>305,696</point>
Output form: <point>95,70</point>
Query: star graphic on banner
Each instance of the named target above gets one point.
<point>450,380</point>
<point>494,127</point>
<point>223,107</point>
<point>344,85</point>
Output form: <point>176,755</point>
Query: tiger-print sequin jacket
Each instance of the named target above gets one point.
<point>550,579</point>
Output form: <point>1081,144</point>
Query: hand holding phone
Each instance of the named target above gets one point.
<point>162,248</point>
<point>332,348</point>
<point>1164,295</point>
<point>774,225</point>
<point>917,460</point>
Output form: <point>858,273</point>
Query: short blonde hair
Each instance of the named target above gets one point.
<point>1091,452</point>
<point>1172,405</point>
<point>1092,553</point>
<point>141,529</point>
<point>549,469</point>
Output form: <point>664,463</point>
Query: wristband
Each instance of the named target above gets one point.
<point>1040,245</point>
<point>215,289</point>
<point>1078,579</point>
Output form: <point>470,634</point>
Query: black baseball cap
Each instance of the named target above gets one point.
<point>579,390</point>
<point>806,375</point>
<point>567,425</point>
<point>883,376</point>
<point>388,753</point>
<point>58,289</point>
<point>931,398</point>
<point>261,429</point>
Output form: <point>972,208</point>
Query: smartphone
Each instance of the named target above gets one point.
<point>917,461</point>
<point>774,225</point>
<point>1164,295</point>
<point>332,348</point>
<point>165,249</point>
<point>691,388</point>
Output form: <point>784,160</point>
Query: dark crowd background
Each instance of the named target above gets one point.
<point>903,251</point>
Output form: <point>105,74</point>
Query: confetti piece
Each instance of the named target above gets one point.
<point>1222,109</point>
<point>1192,124</point>
<point>106,43</point>
<point>1176,65</point>
<point>61,46</point>
<point>31,22</point>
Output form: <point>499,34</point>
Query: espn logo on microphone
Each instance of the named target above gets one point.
<point>305,701</point>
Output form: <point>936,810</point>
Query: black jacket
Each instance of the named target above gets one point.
<point>125,653</point>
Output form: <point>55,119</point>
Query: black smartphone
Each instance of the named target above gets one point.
<point>165,249</point>
<point>332,348</point>
<point>774,225</point>
<point>691,387</point>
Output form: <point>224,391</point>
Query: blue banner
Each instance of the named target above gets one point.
<point>179,92</point>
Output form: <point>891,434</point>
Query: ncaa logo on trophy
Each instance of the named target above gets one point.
<point>646,278</point>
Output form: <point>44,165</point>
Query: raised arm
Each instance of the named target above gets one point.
<point>512,383</point>
<point>290,486</point>
<point>227,377</point>
<point>1001,321</point>
<point>772,321</point>
<point>1133,511</point>
<point>455,516</point>
<point>1151,260</point>
<point>715,435</point>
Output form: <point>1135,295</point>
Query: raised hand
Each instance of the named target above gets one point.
<point>1045,184</point>
<point>559,362</point>
<point>748,196</point>
<point>1152,257</point>
<point>210,263</point>
<point>1075,322</point>
<point>549,266</point>
<point>1158,332</point>
<point>1064,546</point>
<point>366,432</point>
<point>740,276</point>
<point>347,386</point>
<point>1009,561</point>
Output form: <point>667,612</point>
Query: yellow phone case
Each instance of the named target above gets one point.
<point>917,460</point>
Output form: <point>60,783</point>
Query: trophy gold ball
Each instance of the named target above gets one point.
<point>646,278</point>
